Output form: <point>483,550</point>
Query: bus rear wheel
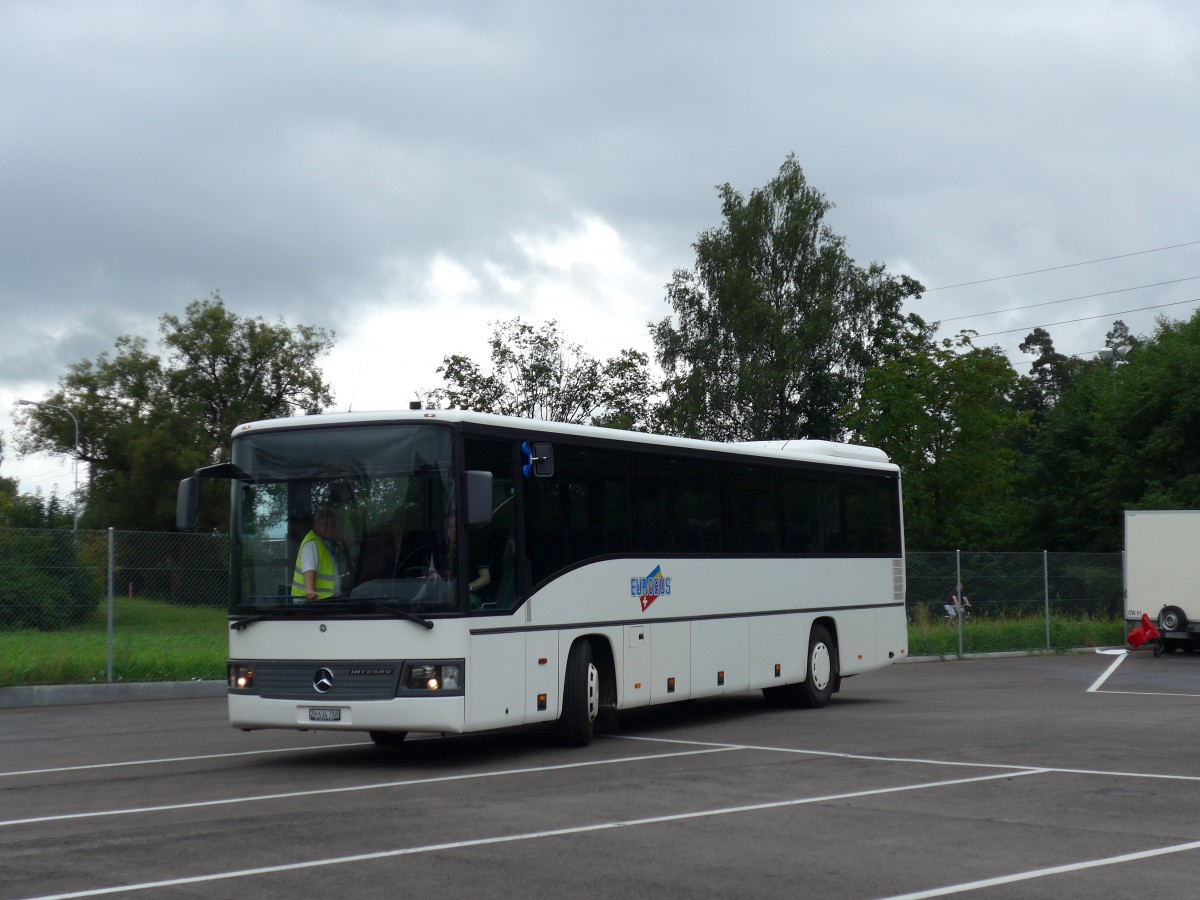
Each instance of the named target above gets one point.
<point>821,677</point>
<point>387,738</point>
<point>581,697</point>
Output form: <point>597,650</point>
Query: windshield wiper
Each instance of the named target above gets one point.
<point>280,612</point>
<point>238,624</point>
<point>326,607</point>
<point>393,611</point>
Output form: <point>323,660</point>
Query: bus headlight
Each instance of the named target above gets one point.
<point>241,676</point>
<point>433,677</point>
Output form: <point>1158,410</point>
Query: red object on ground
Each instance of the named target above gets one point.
<point>1143,633</point>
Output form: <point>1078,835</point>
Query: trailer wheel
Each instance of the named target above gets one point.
<point>1172,619</point>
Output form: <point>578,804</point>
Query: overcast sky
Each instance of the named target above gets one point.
<point>406,174</point>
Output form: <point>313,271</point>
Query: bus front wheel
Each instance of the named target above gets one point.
<point>387,738</point>
<point>580,698</point>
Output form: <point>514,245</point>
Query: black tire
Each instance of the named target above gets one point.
<point>1172,619</point>
<point>821,672</point>
<point>387,738</point>
<point>581,697</point>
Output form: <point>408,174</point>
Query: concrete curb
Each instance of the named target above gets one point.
<point>75,694</point>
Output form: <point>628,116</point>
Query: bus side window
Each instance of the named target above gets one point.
<point>494,546</point>
<point>751,502</point>
<point>678,504</point>
<point>583,512</point>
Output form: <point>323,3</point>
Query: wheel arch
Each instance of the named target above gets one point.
<point>604,658</point>
<point>830,624</point>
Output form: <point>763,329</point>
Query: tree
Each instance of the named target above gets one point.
<point>1067,464</point>
<point>34,510</point>
<point>1120,339</point>
<point>47,585</point>
<point>1125,434</point>
<point>947,415</point>
<point>1153,434</point>
<point>539,374</point>
<point>229,369</point>
<point>146,421</point>
<point>775,326</point>
<point>1049,376</point>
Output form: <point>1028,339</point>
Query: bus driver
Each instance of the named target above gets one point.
<point>321,561</point>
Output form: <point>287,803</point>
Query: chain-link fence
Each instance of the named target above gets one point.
<point>112,606</point>
<point>1014,601</point>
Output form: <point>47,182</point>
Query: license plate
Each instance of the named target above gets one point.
<point>324,715</point>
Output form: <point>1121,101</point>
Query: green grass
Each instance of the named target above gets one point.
<point>929,636</point>
<point>161,642</point>
<point>151,642</point>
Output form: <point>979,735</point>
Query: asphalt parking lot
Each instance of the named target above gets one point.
<point>1044,776</point>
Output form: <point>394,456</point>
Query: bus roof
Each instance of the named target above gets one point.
<point>814,450</point>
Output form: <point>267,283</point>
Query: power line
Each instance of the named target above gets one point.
<point>1120,312</point>
<point>1089,262</point>
<point>50,473</point>
<point>996,312</point>
<point>1079,354</point>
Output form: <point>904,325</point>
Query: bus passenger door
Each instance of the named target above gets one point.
<point>635,666</point>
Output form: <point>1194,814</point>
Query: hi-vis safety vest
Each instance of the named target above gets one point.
<point>326,582</point>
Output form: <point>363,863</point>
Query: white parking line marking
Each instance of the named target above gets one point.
<point>1018,769</point>
<point>1120,654</point>
<point>1043,873</point>
<point>351,788</point>
<point>175,759</point>
<point>832,754</point>
<point>503,839</point>
<point>705,747</point>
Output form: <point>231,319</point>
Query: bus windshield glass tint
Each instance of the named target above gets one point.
<point>345,519</point>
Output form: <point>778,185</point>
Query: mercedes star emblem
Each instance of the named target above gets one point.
<point>323,680</point>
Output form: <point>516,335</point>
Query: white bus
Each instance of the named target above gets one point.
<point>496,572</point>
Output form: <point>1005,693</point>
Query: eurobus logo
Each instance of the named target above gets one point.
<point>650,588</point>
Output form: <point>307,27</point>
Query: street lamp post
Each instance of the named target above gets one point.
<point>75,498</point>
<point>1113,355</point>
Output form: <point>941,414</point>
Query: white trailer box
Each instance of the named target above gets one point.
<point>1162,573</point>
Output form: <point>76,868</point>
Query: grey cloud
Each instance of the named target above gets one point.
<point>295,157</point>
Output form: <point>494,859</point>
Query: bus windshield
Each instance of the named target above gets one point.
<point>345,519</point>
